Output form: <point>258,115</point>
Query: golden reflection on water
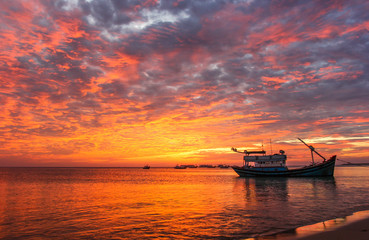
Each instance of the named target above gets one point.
<point>154,204</point>
<point>159,203</point>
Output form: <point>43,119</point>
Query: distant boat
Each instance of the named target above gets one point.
<point>191,166</point>
<point>146,167</point>
<point>207,166</point>
<point>223,166</point>
<point>180,167</point>
<point>354,164</point>
<point>258,164</point>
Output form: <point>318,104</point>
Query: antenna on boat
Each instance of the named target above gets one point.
<point>312,149</point>
<point>271,148</point>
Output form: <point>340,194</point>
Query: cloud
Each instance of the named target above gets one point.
<point>187,74</point>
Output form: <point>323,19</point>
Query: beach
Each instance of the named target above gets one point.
<point>355,226</point>
<point>358,230</point>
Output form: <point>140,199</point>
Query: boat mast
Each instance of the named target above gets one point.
<point>312,149</point>
<point>271,148</point>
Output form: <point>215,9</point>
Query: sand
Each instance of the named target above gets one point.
<point>357,230</point>
<point>352,227</point>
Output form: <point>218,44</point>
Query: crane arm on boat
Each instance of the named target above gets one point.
<point>235,150</point>
<point>312,149</point>
<point>248,152</point>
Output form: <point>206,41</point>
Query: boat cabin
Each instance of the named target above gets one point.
<point>275,162</point>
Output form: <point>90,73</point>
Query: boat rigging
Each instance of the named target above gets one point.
<point>312,149</point>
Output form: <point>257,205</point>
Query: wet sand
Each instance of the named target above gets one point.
<point>355,226</point>
<point>358,230</point>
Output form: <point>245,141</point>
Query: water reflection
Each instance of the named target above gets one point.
<point>280,203</point>
<point>265,189</point>
<point>166,203</point>
<point>281,189</point>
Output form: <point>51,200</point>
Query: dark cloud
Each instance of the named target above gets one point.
<point>68,66</point>
<point>52,130</point>
<point>114,90</point>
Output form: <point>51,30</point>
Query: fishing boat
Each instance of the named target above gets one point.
<point>146,167</point>
<point>258,164</point>
<point>180,166</point>
<point>223,166</point>
<point>207,166</point>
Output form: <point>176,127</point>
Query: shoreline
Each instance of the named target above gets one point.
<point>354,226</point>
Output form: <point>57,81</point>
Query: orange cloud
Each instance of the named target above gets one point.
<point>92,86</point>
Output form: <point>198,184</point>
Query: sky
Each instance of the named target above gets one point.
<point>159,82</point>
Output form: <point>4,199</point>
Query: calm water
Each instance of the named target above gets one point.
<point>128,203</point>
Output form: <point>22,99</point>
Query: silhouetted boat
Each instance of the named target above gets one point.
<point>191,166</point>
<point>180,167</point>
<point>355,164</point>
<point>223,166</point>
<point>146,167</point>
<point>258,164</point>
<point>207,166</point>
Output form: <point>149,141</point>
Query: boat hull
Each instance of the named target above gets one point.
<point>324,169</point>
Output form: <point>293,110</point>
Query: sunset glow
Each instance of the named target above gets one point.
<point>128,83</point>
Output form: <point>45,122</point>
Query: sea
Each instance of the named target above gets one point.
<point>168,203</point>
